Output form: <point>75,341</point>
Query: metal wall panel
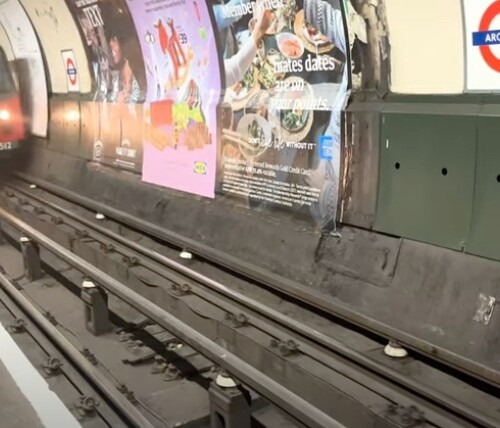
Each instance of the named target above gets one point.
<point>485,230</point>
<point>427,173</point>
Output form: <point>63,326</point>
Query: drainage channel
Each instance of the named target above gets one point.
<point>254,314</point>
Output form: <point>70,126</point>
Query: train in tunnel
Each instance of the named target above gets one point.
<point>12,118</point>
<point>345,151</point>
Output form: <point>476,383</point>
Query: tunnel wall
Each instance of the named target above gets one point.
<point>409,235</point>
<point>5,43</point>
<point>57,33</point>
<point>396,85</point>
<point>427,46</point>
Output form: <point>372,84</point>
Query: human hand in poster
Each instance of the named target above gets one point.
<point>238,64</point>
<point>264,20</point>
<point>327,20</point>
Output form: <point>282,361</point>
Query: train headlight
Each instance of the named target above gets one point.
<point>4,115</point>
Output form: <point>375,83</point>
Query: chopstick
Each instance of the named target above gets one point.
<point>231,132</point>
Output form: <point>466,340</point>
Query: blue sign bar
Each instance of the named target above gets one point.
<point>326,147</point>
<point>485,38</point>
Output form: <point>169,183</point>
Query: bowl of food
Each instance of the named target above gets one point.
<point>313,35</point>
<point>268,76</point>
<point>253,135</point>
<point>242,89</point>
<point>314,41</point>
<point>290,45</point>
<point>295,115</point>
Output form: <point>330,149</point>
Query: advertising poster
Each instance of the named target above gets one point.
<point>482,41</point>
<point>286,77</point>
<point>31,69</point>
<point>183,76</point>
<point>119,76</point>
<point>113,48</point>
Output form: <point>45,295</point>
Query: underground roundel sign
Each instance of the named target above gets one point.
<point>71,71</point>
<point>482,41</point>
<point>488,36</point>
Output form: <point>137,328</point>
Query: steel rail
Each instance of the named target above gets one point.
<point>249,375</point>
<point>277,282</point>
<point>272,314</point>
<point>73,375</point>
<point>132,415</point>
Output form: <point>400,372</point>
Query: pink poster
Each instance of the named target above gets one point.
<point>182,69</point>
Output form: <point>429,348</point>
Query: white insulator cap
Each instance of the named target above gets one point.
<point>186,255</point>
<point>394,350</point>
<point>24,239</point>
<point>100,216</point>
<point>32,186</point>
<point>225,381</point>
<point>87,283</point>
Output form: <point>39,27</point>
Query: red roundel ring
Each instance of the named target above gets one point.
<point>488,17</point>
<point>70,65</point>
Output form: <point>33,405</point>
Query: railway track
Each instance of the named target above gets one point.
<point>93,395</point>
<point>293,290</point>
<point>281,349</point>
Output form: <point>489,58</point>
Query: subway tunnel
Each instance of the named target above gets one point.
<point>253,213</point>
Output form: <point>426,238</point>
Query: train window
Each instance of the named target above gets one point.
<point>6,80</point>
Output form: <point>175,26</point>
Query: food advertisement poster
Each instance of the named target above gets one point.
<point>482,40</point>
<point>119,76</point>
<point>286,77</point>
<point>31,69</point>
<point>180,54</point>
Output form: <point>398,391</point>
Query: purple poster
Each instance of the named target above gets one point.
<point>182,68</point>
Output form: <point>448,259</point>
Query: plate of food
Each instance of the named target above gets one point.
<point>314,41</point>
<point>283,14</point>
<point>241,91</point>
<point>312,35</point>
<point>268,76</point>
<point>295,120</point>
<point>253,135</point>
<point>290,45</point>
